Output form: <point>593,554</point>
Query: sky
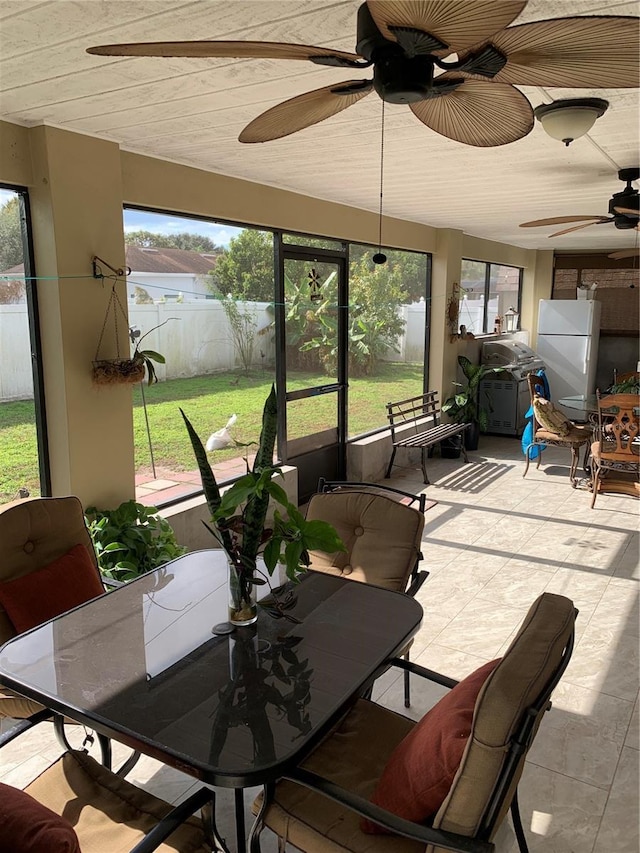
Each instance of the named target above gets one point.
<point>158,223</point>
<point>5,195</point>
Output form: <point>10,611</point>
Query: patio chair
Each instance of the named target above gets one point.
<point>48,566</point>
<point>551,427</point>
<point>444,783</point>
<point>382,532</point>
<point>78,806</point>
<point>616,449</point>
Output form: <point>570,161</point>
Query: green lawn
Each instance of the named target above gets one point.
<point>208,401</point>
<point>18,450</point>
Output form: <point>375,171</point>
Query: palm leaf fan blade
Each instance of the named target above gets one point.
<point>304,110</point>
<point>224,50</point>
<point>586,52</point>
<point>560,220</point>
<point>477,113</point>
<point>624,253</point>
<point>575,228</point>
<point>457,23</point>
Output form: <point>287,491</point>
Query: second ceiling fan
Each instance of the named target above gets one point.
<point>624,214</point>
<point>455,64</point>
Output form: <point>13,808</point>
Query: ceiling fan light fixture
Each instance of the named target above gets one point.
<point>570,119</point>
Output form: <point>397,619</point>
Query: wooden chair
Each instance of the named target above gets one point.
<point>558,431</point>
<point>492,720</point>
<point>78,806</point>
<point>617,445</point>
<point>382,532</point>
<point>38,577</point>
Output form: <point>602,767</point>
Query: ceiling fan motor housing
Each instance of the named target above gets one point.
<point>400,80</point>
<point>628,198</point>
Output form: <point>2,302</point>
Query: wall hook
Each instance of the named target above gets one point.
<point>97,272</point>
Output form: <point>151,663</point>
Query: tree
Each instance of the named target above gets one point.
<point>375,294</point>
<point>184,240</point>
<point>404,272</point>
<point>245,270</point>
<point>11,248</point>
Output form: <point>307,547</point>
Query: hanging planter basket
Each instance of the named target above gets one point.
<point>118,371</point>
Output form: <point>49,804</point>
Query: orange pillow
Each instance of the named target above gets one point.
<point>420,770</point>
<point>39,596</point>
<point>26,826</point>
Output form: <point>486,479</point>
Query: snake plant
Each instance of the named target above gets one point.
<point>239,515</point>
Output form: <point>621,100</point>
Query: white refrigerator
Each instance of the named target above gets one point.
<point>568,336</point>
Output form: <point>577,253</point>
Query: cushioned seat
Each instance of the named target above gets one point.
<point>373,747</point>
<point>48,566</point>
<point>107,814</point>
<point>382,535</point>
<point>552,427</point>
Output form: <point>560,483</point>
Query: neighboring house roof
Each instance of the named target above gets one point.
<point>158,260</point>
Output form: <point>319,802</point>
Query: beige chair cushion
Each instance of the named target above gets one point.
<point>354,758</point>
<point>34,532</point>
<point>12,705</point>
<point>527,666</point>
<point>382,537</point>
<point>107,812</point>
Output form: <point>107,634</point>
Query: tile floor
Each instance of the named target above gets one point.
<point>492,544</point>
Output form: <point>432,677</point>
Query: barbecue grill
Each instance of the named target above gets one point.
<point>506,394</point>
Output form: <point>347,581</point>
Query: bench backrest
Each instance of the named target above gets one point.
<point>415,411</point>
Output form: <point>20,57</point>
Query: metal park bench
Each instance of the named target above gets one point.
<point>416,423</point>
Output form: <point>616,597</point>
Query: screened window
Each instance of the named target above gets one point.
<point>388,322</point>
<point>487,292</point>
<point>203,294</point>
<point>22,425</point>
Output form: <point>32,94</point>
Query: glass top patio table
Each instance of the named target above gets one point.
<point>581,402</point>
<point>140,664</point>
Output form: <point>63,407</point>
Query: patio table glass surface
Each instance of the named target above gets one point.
<point>141,665</point>
<point>588,403</point>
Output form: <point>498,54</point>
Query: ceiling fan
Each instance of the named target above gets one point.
<point>624,213</point>
<point>456,64</point>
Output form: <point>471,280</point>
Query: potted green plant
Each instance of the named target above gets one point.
<point>464,406</point>
<point>131,540</point>
<point>239,521</point>
<point>110,371</point>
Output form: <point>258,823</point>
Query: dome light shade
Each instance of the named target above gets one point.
<point>570,119</point>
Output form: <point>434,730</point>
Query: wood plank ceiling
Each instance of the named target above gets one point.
<point>192,110</point>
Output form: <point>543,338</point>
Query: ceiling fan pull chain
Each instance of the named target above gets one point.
<point>379,257</point>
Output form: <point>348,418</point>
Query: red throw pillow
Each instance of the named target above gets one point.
<point>26,826</point>
<point>65,583</point>
<point>420,770</point>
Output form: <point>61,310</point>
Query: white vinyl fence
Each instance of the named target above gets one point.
<point>196,341</point>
